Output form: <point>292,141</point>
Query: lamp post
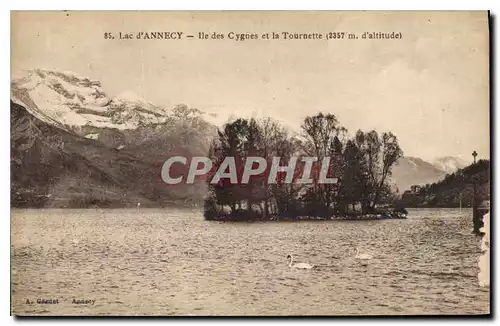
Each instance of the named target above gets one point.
<point>460,202</point>
<point>476,219</point>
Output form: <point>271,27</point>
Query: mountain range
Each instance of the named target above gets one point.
<point>450,164</point>
<point>409,171</point>
<point>73,145</point>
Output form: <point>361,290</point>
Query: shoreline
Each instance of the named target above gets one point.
<point>275,218</point>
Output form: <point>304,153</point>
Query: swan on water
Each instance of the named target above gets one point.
<point>298,265</point>
<point>361,256</point>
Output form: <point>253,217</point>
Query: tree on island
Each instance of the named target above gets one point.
<point>379,154</point>
<point>362,165</point>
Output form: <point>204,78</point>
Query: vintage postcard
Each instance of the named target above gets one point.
<point>264,163</point>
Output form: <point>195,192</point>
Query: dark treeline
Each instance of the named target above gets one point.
<point>362,165</point>
<point>454,190</point>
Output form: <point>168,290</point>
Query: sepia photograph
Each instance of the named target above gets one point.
<point>250,163</point>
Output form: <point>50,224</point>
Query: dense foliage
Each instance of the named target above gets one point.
<point>362,165</point>
<point>454,190</point>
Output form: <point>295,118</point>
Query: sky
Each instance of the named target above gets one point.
<point>430,88</point>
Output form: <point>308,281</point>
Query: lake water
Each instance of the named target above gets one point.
<point>172,262</point>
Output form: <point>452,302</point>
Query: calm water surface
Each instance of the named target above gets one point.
<point>172,262</point>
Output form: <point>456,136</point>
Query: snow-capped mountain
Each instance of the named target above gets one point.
<point>72,145</point>
<point>67,100</point>
<point>450,164</point>
<point>411,171</point>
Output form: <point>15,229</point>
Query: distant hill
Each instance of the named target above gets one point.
<point>455,187</point>
<point>410,171</point>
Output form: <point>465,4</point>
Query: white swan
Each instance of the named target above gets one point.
<point>361,256</point>
<point>298,265</point>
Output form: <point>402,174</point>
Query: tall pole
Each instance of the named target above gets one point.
<point>476,219</point>
<point>460,202</point>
